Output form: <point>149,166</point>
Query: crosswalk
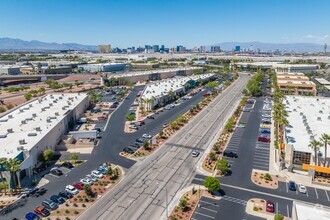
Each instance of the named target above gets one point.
<point>235,200</point>
<point>261,156</point>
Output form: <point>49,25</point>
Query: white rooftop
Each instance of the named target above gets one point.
<point>311,212</point>
<point>162,88</point>
<point>322,81</point>
<point>290,74</point>
<point>317,113</point>
<point>295,82</point>
<point>137,73</point>
<point>33,121</point>
<point>282,77</point>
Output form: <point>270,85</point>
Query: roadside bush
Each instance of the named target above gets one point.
<point>212,156</point>
<point>182,204</point>
<point>255,208</point>
<point>268,177</point>
<point>212,183</point>
<point>278,217</point>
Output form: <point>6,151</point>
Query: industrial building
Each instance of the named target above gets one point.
<point>104,48</point>
<point>309,118</point>
<point>159,93</point>
<point>27,131</point>
<point>9,70</point>
<point>294,68</point>
<point>103,67</point>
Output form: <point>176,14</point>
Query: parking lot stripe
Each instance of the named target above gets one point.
<point>287,191</point>
<point>317,195</point>
<point>306,191</point>
<point>209,203</point>
<point>204,215</point>
<point>276,208</point>
<point>211,210</point>
<point>193,218</point>
<point>326,193</point>
<point>287,210</point>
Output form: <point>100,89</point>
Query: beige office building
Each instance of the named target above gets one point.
<point>104,48</point>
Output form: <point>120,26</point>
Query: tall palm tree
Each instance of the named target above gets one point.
<point>325,139</point>
<point>315,145</point>
<point>3,161</point>
<point>13,165</point>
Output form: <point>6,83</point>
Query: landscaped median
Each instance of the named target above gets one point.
<point>265,179</point>
<point>213,161</point>
<point>258,207</point>
<point>75,206</point>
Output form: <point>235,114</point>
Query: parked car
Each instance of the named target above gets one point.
<point>165,125</point>
<point>49,204</point>
<point>270,206</point>
<point>302,188</point>
<point>266,116</point>
<point>71,189</point>
<point>139,140</point>
<point>79,185</point>
<point>97,173</point>
<point>67,165</point>
<point>133,127</point>
<point>103,117</point>
<point>265,131</point>
<point>263,138</point>
<point>230,154</point>
<point>241,126</point>
<point>86,181</point>
<point>65,194</point>
<point>92,177</point>
<point>195,153</point>
<point>116,103</point>
<point>58,199</point>
<point>31,216</point>
<point>142,123</point>
<point>41,210</point>
<point>206,94</point>
<point>113,106</point>
<point>150,117</point>
<point>147,136</point>
<point>135,145</point>
<point>97,129</point>
<point>95,110</point>
<point>168,107</point>
<point>128,150</point>
<point>292,186</point>
<point>56,172</point>
<point>267,122</point>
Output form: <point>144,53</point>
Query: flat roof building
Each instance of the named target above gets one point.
<point>103,67</point>
<point>27,131</point>
<point>304,211</point>
<point>280,67</point>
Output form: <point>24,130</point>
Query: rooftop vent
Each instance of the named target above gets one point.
<point>63,108</point>
<point>34,115</point>
<point>10,130</point>
<point>20,148</point>
<point>38,129</point>
<point>21,110</point>
<point>32,134</point>
<point>48,120</point>
<point>10,116</point>
<point>42,109</point>
<point>50,104</point>
<point>319,119</point>
<point>3,120</point>
<point>60,97</point>
<point>57,114</point>
<point>22,141</point>
<point>301,113</point>
<point>23,122</point>
<point>321,112</point>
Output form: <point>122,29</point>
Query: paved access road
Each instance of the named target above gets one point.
<point>151,184</point>
<point>113,140</point>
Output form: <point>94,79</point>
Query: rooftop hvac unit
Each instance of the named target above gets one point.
<point>46,107</point>
<point>10,130</point>
<point>50,104</point>
<point>51,96</point>
<point>55,101</point>
<point>21,110</point>
<point>329,117</point>
<point>3,120</point>
<point>48,120</point>
<point>39,100</point>
<point>52,117</point>
<point>34,115</point>
<point>38,129</point>
<point>32,134</point>
<point>30,105</point>
<point>57,114</point>
<point>301,113</point>
<point>23,122</point>
<point>10,116</point>
<point>294,110</point>
<point>60,97</point>
<point>321,112</point>
<point>22,141</point>
<point>319,118</point>
<point>42,109</point>
<point>20,148</point>
<point>311,137</point>
<point>29,119</point>
<point>62,94</point>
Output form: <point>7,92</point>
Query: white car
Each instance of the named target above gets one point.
<point>241,126</point>
<point>91,177</point>
<point>97,174</point>
<point>86,181</point>
<point>195,153</point>
<point>165,125</point>
<point>147,136</point>
<point>168,107</point>
<point>266,116</point>
<point>71,189</point>
<point>302,188</point>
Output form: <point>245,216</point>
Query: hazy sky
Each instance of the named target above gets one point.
<point>125,23</point>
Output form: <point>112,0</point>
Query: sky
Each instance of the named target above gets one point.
<point>124,23</point>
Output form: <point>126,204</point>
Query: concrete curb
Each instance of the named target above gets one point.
<point>249,210</point>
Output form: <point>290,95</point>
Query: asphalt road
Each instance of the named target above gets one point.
<point>151,184</point>
<point>113,140</point>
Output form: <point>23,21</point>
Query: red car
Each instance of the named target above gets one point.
<point>79,185</point>
<point>206,94</point>
<point>270,206</point>
<point>103,117</point>
<point>41,210</point>
<point>264,139</point>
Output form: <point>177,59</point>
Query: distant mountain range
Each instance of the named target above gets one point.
<point>10,44</point>
<point>265,47</point>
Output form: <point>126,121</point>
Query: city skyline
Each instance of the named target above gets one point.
<point>189,23</point>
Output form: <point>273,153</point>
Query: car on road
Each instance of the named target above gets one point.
<point>150,117</point>
<point>79,185</point>
<point>67,165</point>
<point>230,154</point>
<point>292,186</point>
<point>265,131</point>
<point>139,140</point>
<point>65,194</point>
<point>264,138</point>
<point>86,181</point>
<point>49,204</point>
<point>147,136</point>
<point>57,199</point>
<point>31,216</point>
<point>270,206</point>
<point>97,173</point>
<point>56,172</point>
<point>195,153</point>
<point>128,150</point>
<point>71,189</point>
<point>302,188</point>
<point>41,210</point>
<point>241,126</point>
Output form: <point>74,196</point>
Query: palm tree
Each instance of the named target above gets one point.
<point>325,139</point>
<point>315,145</point>
<point>13,165</point>
<point>2,163</point>
<point>170,94</point>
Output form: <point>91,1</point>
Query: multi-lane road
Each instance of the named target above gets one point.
<point>151,184</point>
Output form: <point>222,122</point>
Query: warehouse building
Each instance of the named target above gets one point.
<point>27,131</point>
<point>103,67</point>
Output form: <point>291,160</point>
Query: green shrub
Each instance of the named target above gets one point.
<point>255,208</point>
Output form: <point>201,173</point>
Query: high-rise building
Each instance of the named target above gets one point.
<point>202,49</point>
<point>237,48</point>
<point>215,49</point>
<point>156,48</point>
<point>179,48</point>
<point>104,48</point>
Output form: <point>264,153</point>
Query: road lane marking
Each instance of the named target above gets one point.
<point>317,195</point>
<point>209,203</point>
<point>204,215</point>
<point>296,192</point>
<point>326,193</point>
<point>211,210</point>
